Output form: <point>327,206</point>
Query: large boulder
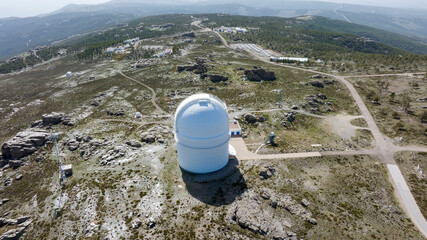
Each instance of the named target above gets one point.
<point>116,112</point>
<point>316,84</point>
<point>190,34</point>
<point>52,118</point>
<point>290,116</point>
<point>13,234</point>
<point>217,78</point>
<point>249,118</point>
<point>260,75</point>
<point>24,143</point>
<point>134,143</point>
<point>198,68</point>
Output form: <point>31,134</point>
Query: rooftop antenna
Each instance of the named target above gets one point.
<point>279,102</point>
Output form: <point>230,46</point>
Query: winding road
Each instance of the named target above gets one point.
<point>383,149</point>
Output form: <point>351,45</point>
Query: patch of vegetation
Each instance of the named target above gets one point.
<point>411,165</point>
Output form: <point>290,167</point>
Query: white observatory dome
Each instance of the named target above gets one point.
<point>202,133</point>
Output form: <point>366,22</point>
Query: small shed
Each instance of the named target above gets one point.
<point>68,170</point>
<point>235,129</point>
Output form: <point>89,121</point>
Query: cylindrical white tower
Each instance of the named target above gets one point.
<point>202,133</point>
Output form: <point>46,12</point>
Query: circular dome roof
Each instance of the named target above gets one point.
<point>201,116</point>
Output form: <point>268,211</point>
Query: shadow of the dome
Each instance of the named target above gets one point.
<point>219,188</point>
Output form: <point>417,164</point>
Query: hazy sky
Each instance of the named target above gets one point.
<point>25,8</point>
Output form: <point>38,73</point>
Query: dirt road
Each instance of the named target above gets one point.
<point>153,93</point>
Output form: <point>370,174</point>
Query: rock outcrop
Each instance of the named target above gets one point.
<point>289,116</point>
<point>250,118</point>
<point>198,68</point>
<point>117,112</point>
<point>190,35</point>
<point>18,226</point>
<point>260,74</point>
<point>316,84</point>
<point>267,172</point>
<point>214,77</point>
<point>157,133</point>
<point>53,118</point>
<point>249,214</point>
<point>24,143</point>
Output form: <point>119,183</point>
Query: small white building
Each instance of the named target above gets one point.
<point>68,170</point>
<point>288,59</point>
<point>138,115</point>
<point>110,50</point>
<point>235,129</point>
<point>69,74</point>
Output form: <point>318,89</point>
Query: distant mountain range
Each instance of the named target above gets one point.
<point>20,34</point>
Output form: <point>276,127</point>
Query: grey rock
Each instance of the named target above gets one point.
<point>316,84</point>
<point>261,119</point>
<point>260,74</point>
<point>249,118</point>
<point>15,163</point>
<point>134,143</point>
<point>73,145</point>
<point>322,96</point>
<point>312,221</point>
<point>87,138</point>
<point>136,224</point>
<point>151,224</point>
<point>68,121</point>
<point>22,219</point>
<point>148,138</point>
<point>19,177</point>
<point>294,107</point>
<point>7,221</point>
<point>265,193</point>
<point>37,123</point>
<point>305,202</point>
<point>290,116</point>
<point>13,234</point>
<point>267,172</point>
<point>52,118</point>
<point>318,76</point>
<point>5,200</point>
<point>24,143</point>
<point>7,181</point>
<point>119,112</point>
<point>94,103</point>
<point>190,34</point>
<point>328,81</point>
<point>249,214</point>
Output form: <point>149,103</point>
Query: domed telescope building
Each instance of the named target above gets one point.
<point>202,134</point>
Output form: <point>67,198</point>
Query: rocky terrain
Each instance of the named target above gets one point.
<point>126,183</point>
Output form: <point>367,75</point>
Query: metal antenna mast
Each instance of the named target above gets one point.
<point>62,177</point>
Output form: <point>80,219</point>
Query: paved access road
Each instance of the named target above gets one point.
<point>383,149</point>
